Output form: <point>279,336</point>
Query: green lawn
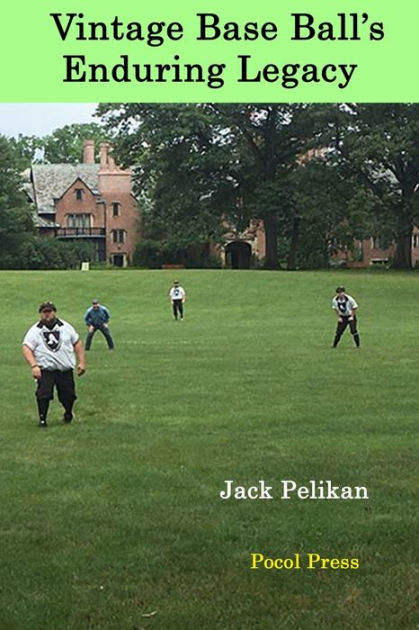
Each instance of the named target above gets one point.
<point>118,515</point>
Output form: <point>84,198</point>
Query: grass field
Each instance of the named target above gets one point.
<point>118,515</point>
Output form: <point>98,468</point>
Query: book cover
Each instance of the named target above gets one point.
<point>243,449</point>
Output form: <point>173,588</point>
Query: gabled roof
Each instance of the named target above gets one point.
<point>80,181</point>
<point>51,181</point>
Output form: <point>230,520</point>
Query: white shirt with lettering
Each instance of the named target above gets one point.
<point>177,293</point>
<point>53,348</point>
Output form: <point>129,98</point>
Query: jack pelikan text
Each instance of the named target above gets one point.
<point>290,489</point>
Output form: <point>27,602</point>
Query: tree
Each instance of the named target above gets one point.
<point>204,165</point>
<point>333,211</point>
<point>63,146</point>
<point>27,150</point>
<point>16,225</point>
<point>379,144</point>
<point>271,140</point>
<point>182,168</point>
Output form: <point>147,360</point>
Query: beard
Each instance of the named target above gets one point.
<point>49,324</point>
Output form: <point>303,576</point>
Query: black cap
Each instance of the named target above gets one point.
<point>47,306</point>
<point>340,290</point>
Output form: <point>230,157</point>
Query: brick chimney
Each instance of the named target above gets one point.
<point>89,152</point>
<point>103,151</point>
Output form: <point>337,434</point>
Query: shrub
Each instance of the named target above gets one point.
<point>50,253</point>
<point>153,254</point>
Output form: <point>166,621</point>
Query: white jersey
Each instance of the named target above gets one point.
<point>53,348</point>
<point>345,305</point>
<point>177,293</point>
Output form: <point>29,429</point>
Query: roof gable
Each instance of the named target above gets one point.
<point>76,183</point>
<point>52,181</point>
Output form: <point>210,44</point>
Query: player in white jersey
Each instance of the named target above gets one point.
<point>345,307</point>
<point>51,347</point>
<point>177,296</point>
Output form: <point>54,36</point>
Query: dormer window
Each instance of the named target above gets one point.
<point>79,193</point>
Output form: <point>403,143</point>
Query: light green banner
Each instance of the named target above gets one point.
<point>314,51</point>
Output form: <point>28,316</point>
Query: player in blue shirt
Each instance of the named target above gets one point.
<point>97,318</point>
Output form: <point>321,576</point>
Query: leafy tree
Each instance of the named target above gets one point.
<point>333,211</point>
<point>63,146</point>
<point>204,166</point>
<point>27,150</point>
<point>16,225</point>
<point>379,145</point>
<point>270,141</point>
<point>182,173</point>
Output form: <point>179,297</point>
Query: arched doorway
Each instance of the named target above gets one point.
<point>238,255</point>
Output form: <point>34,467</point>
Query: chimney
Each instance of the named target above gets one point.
<point>104,146</point>
<point>111,163</point>
<point>89,152</point>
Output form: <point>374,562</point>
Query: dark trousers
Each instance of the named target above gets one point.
<point>107,334</point>
<point>177,308</point>
<point>64,383</point>
<point>341,327</point>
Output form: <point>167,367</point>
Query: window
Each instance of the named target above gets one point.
<point>78,220</point>
<point>415,241</point>
<point>79,193</point>
<point>116,209</point>
<point>119,236</point>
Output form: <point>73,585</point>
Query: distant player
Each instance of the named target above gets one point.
<point>177,296</point>
<point>345,307</point>
<point>96,318</point>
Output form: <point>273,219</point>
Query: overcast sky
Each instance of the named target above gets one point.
<point>40,119</point>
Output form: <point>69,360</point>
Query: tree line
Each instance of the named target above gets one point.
<point>318,176</point>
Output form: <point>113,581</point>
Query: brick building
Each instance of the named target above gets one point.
<point>87,201</point>
<point>371,251</point>
<point>243,250</point>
